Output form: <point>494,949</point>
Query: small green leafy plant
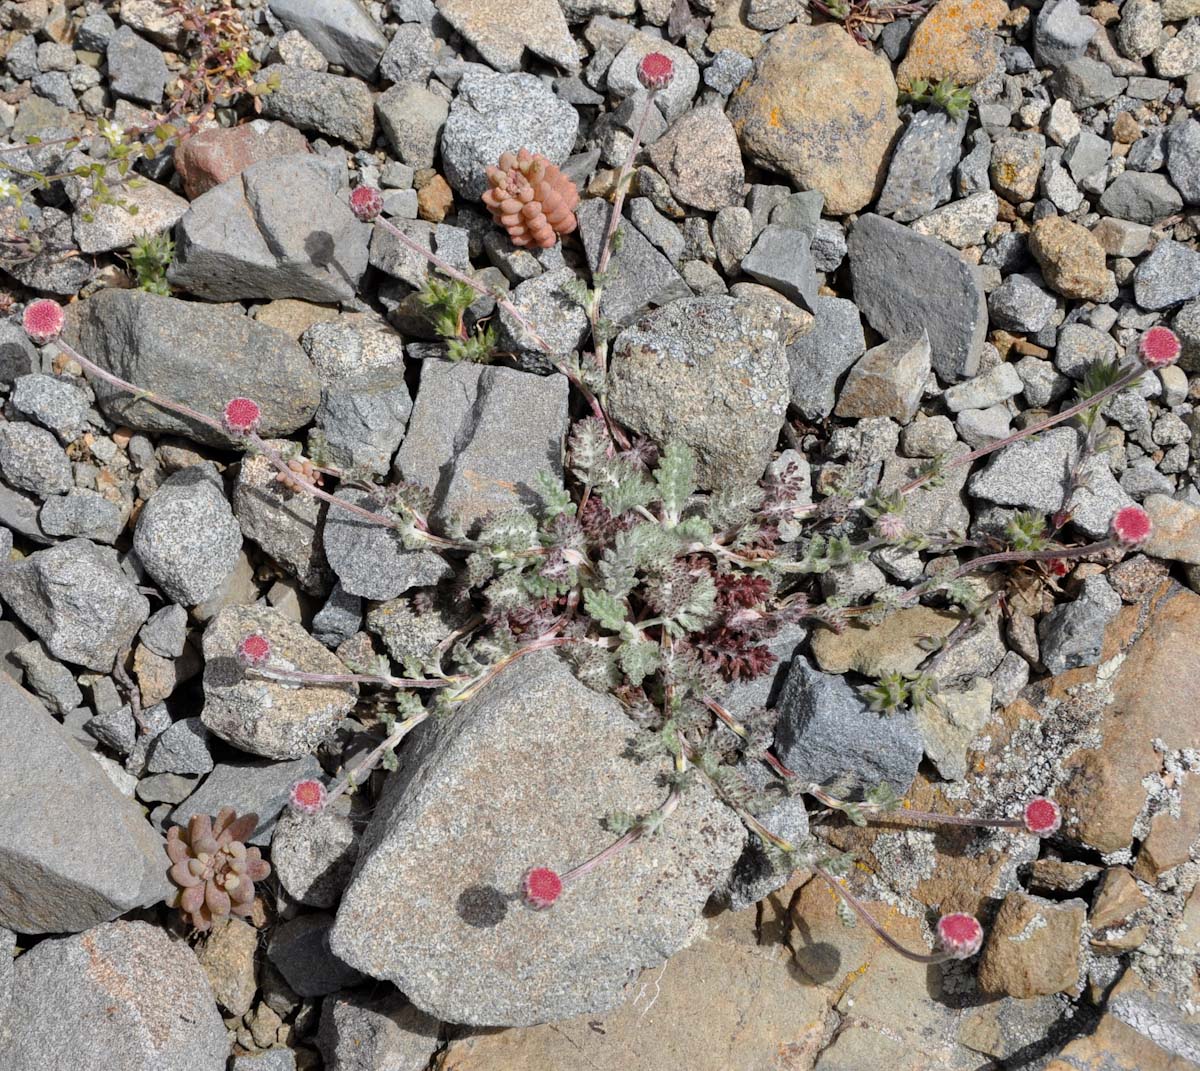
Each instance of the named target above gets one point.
<point>446,305</point>
<point>953,99</point>
<point>149,257</point>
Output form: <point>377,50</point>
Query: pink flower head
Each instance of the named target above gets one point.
<point>655,70</point>
<point>1131,525</point>
<point>241,416</point>
<point>890,526</point>
<point>366,202</point>
<point>1042,816</point>
<point>1159,347</point>
<point>959,935</point>
<point>254,650</point>
<point>308,796</point>
<point>43,320</point>
<point>541,886</point>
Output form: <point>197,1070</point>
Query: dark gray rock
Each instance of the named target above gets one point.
<point>341,29</point>
<point>819,358</point>
<point>136,69</point>
<point>76,597</point>
<point>223,355</point>
<point>300,951</point>
<point>363,1032</point>
<point>1141,197</point>
<point>639,275</point>
<point>494,112</point>
<point>489,759</point>
<point>370,559</point>
<point>125,996</point>
<point>32,460</point>
<point>166,632</point>
<point>340,108</point>
<point>827,735</point>
<point>281,228</point>
<point>1072,634</point>
<point>17,355</point>
<point>710,372</point>
<point>782,259</point>
<point>53,683</point>
<point>94,32</point>
<point>1019,304</point>
<point>74,852</point>
<point>1183,159</point>
<point>905,283</point>
<point>479,437</point>
<point>412,118</point>
<point>313,855</point>
<point>1168,276</point>
<point>339,619</point>
<point>922,164</point>
<point>1061,33</point>
<point>1148,153</point>
<point>186,536</point>
<point>1085,83</point>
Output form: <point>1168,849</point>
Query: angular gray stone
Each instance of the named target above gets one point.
<point>53,683</point>
<point>1072,634</point>
<point>1140,196</point>
<point>1183,159</point>
<point>166,632</point>
<point>17,355</point>
<point>677,97</point>
<point>1086,155</point>
<point>948,725</point>
<point>479,437</point>
<point>827,735</point>
<point>710,372</point>
<point>1085,83</point>
<point>125,996</point>
<point>186,536</point>
<point>1168,276</point>
<point>887,381</point>
<point>639,275</point>
<point>136,69</point>
<point>339,619</point>
<point>54,403</point>
<point>32,460</point>
<point>249,786</point>
<point>313,855</point>
<point>102,228</point>
<point>267,717</point>
<point>82,513</point>
<point>961,223</point>
<point>558,320</point>
<point>74,851</point>
<point>1031,473</point>
<point>417,894</point>
<point>1061,33</point>
<point>493,112</point>
<point>300,951</point>
<point>1019,304</point>
<point>700,159</point>
<point>1080,346</point>
<point>341,29</point>
<point>1139,29</point>
<point>818,359</point>
<point>502,41</point>
<point>368,1032</point>
<point>181,749</point>
<point>905,283</point>
<point>412,118</point>
<point>782,259</point>
<point>76,597</point>
<point>922,164</point>
<point>279,229</point>
<point>340,108</point>
<point>410,56</point>
<point>363,421</point>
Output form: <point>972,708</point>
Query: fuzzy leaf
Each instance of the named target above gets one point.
<point>605,609</point>
<point>675,476</point>
<point>638,659</point>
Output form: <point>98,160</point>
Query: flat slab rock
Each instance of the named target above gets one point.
<point>522,776</point>
<point>124,996</point>
<point>74,852</point>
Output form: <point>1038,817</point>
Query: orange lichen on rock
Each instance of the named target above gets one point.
<point>531,199</point>
<point>956,40</point>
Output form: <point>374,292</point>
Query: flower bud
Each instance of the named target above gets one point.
<point>655,70</point>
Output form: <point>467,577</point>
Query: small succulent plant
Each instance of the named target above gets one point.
<point>213,869</point>
<point>531,199</point>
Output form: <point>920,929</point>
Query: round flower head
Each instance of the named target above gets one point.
<point>890,526</point>
<point>1131,525</point>
<point>1042,816</point>
<point>959,935</point>
<point>655,70</point>
<point>366,202</point>
<point>254,650</point>
<point>541,886</point>
<point>43,320</point>
<point>1159,347</point>
<point>241,416</point>
<point>308,796</point>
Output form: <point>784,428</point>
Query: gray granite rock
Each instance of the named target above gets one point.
<point>700,159</point>
<point>639,275</point>
<point>558,320</point>
<point>412,118</point>
<point>922,164</point>
<point>340,108</point>
<point>1183,158</point>
<point>1080,346</point>
<point>710,372</point>
<point>181,749</point>
<point>341,29</point>
<point>905,283</point>
<point>819,358</point>
<point>1020,304</point>
<point>137,335</point>
<point>371,1032</point>
<point>1031,474</point>
<point>418,894</point>
<point>782,259</point>
<point>677,97</point>
<point>268,717</point>
<point>1085,82</point>
<point>1141,197</point>
<point>410,56</point>
<point>32,460</point>
<point>492,113</point>
<point>76,597</point>
<point>136,69</point>
<point>1168,276</point>
<point>313,855</point>
<point>479,437</point>
<point>827,735</point>
<point>74,852</point>
<point>51,681</point>
<point>124,996</point>
<point>299,950</point>
<point>165,633</point>
<point>1072,634</point>
<point>363,421</point>
<point>54,403</point>
<point>1061,33</point>
<point>279,229</point>
<point>961,223</point>
<point>339,619</point>
<point>186,535</point>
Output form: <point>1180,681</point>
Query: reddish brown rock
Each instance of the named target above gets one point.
<point>217,154</point>
<point>1032,949</point>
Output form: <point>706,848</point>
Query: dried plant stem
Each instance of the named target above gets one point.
<point>625,840</point>
<point>278,673</point>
